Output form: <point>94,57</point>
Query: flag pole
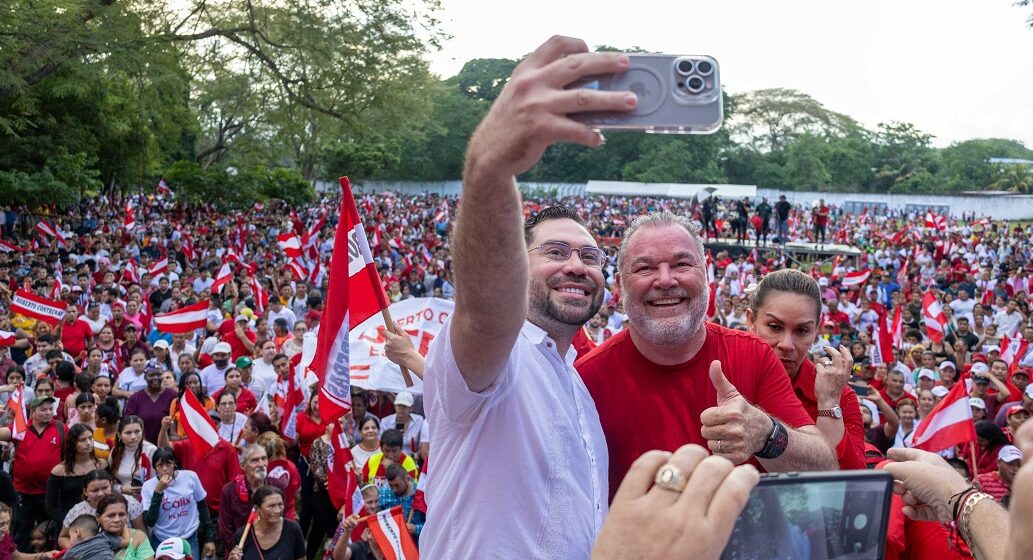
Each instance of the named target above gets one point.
<point>247,528</point>
<point>975,466</point>
<point>389,323</point>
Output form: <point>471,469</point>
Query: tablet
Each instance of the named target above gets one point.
<point>814,516</point>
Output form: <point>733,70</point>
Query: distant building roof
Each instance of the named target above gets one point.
<point>1010,161</point>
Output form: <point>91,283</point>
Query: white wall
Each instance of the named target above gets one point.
<point>1007,207</point>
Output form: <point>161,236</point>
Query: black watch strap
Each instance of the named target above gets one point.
<point>777,441</point>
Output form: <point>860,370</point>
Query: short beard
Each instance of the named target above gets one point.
<point>260,474</point>
<point>666,332</point>
<point>542,307</point>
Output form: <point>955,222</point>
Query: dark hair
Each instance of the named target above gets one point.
<point>95,475</point>
<point>226,394</point>
<point>264,492</point>
<point>65,371</point>
<point>137,350</point>
<point>394,471</point>
<point>54,354</point>
<point>84,398</point>
<point>374,419</point>
<point>960,465</point>
<point>110,500</point>
<point>989,431</point>
<point>183,386</point>
<point>120,446</point>
<point>261,423</point>
<point>391,438</point>
<point>906,402</point>
<point>84,382</point>
<point>108,411</point>
<point>15,369</point>
<point>68,451</point>
<point>85,522</point>
<point>550,213</point>
<point>50,339</point>
<point>360,396</point>
<point>789,280</point>
<point>280,356</point>
<point>43,381</point>
<point>164,455</point>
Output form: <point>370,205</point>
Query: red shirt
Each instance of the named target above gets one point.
<point>74,338</point>
<point>893,402</point>
<point>284,474</point>
<point>229,335</point>
<point>214,469</point>
<point>850,451</point>
<point>644,406</point>
<point>246,401</point>
<point>34,457</point>
<point>308,431</point>
<point>993,484</point>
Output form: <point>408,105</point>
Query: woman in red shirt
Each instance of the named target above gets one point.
<point>784,311</point>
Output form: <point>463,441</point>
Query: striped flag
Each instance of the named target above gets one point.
<point>290,243</point>
<point>949,424</point>
<point>184,320</point>
<point>128,220</point>
<point>389,530</point>
<point>6,247</point>
<point>163,187</point>
<point>341,478</point>
<point>932,313</point>
<point>856,278</point>
<point>298,269</point>
<point>1013,348</point>
<point>419,499</point>
<point>197,424</point>
<point>16,404</point>
<point>223,277</point>
<point>6,338</point>
<point>43,309</point>
<point>159,266</point>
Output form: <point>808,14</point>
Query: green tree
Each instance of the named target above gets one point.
<point>904,156</point>
<point>805,163</point>
<point>1014,178</point>
<point>966,164</point>
<point>769,119</point>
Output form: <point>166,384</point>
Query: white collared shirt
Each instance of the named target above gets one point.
<point>520,469</point>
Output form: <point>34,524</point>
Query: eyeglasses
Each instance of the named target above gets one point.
<point>559,251</point>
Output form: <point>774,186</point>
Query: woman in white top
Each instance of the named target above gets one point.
<point>131,457</point>
<point>231,422</point>
<point>369,445</point>
<point>907,411</point>
<point>132,378</point>
<point>176,507</point>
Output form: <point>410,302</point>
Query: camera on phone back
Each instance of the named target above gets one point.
<point>676,94</point>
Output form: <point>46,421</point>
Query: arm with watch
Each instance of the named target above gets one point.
<point>839,413</point>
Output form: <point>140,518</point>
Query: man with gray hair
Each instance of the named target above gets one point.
<point>236,494</point>
<point>688,380</point>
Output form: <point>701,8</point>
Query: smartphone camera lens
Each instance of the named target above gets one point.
<point>685,67</point>
<point>704,67</point>
<point>694,84</point>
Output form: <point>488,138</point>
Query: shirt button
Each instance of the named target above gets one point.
<point>548,344</point>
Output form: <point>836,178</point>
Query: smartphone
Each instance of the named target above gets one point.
<point>814,516</point>
<point>859,390</point>
<point>678,94</point>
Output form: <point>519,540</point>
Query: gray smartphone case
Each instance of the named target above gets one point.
<point>679,94</point>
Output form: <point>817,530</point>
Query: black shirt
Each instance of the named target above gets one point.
<point>290,546</point>
<point>782,208</point>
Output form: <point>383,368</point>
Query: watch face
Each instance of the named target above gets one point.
<point>782,440</point>
<point>837,412</point>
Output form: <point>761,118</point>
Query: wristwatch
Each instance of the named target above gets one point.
<point>834,412</point>
<point>777,441</point>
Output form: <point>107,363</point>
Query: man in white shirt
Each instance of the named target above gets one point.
<point>213,376</point>
<point>203,282</point>
<point>501,389</point>
<point>415,432</point>
<point>1009,320</point>
<point>963,306</point>
<point>278,311</point>
<point>180,346</point>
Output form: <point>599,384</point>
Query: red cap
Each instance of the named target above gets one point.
<point>1014,409</point>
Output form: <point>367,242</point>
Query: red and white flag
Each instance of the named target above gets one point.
<point>197,424</point>
<point>55,291</point>
<point>260,295</point>
<point>259,206</point>
<point>6,338</point>
<point>354,294</point>
<point>949,424</point>
<point>419,499</point>
<point>882,337</point>
<point>932,313</point>
<point>298,269</point>
<point>159,266</point>
<point>131,273</point>
<point>389,530</point>
<point>43,309</point>
<point>16,404</point>
<point>311,235</point>
<point>223,277</point>
<point>856,278</point>
<point>341,477</point>
<point>129,220</point>
<point>183,320</point>
<point>44,229</point>
<point>315,271</point>
<point>896,328</point>
<point>6,247</point>
<point>163,187</point>
<point>1013,348</point>
<point>290,243</point>
<point>935,221</point>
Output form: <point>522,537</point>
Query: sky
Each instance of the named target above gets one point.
<point>955,69</point>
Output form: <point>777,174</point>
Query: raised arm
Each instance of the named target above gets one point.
<point>489,253</point>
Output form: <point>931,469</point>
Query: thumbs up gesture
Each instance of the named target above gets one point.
<point>734,428</point>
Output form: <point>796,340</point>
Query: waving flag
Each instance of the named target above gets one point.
<point>44,229</point>
<point>6,247</point>
<point>223,277</point>
<point>55,291</point>
<point>129,220</point>
<point>419,499</point>
<point>43,309</point>
<point>882,339</point>
<point>856,278</point>
<point>260,295</point>
<point>6,338</point>
<point>389,530</point>
<point>1013,348</point>
<point>184,320</point>
<point>159,266</point>
<point>16,404</point>
<point>163,187</point>
<point>298,269</point>
<point>290,243</point>
<point>131,273</point>
<point>341,477</point>
<point>197,424</point>
<point>311,236</point>
<point>932,313</point>
<point>949,424</point>
<point>353,295</point>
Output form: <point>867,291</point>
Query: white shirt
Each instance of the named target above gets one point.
<point>214,378</point>
<point>531,445</point>
<point>230,432</point>
<point>264,372</point>
<point>129,380</point>
<point>1008,323</point>
<point>178,515</point>
<point>415,433</point>
<point>963,308</point>
<point>285,313</point>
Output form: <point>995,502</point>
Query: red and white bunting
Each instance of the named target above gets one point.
<point>856,278</point>
<point>183,320</point>
<point>159,266</point>
<point>197,424</point>
<point>949,424</point>
<point>43,309</point>
<point>932,314</point>
<point>223,277</point>
<point>290,244</point>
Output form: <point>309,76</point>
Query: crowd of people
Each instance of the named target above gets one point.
<point>750,356</point>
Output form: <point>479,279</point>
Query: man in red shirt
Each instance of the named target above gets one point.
<point>998,483</point>
<point>76,335</point>
<point>240,338</point>
<point>670,378</point>
<point>34,457</point>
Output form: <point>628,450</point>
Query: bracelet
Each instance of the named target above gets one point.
<point>955,501</point>
<point>966,512</point>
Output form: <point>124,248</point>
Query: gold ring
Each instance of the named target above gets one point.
<point>669,477</point>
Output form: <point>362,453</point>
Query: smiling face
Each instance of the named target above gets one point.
<point>787,322</point>
<point>562,294</point>
<point>664,284</point>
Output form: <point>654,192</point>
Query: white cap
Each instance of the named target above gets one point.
<point>977,402</point>
<point>823,281</point>
<point>948,364</point>
<point>979,368</point>
<point>1009,453</point>
<point>927,373</point>
<point>162,343</point>
<point>405,398</point>
<point>992,348</point>
<point>222,347</point>
<point>940,391</point>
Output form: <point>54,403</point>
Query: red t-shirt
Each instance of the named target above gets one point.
<point>34,457</point>
<point>285,472</point>
<point>74,338</point>
<point>850,451</point>
<point>229,335</point>
<point>992,483</point>
<point>644,406</point>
